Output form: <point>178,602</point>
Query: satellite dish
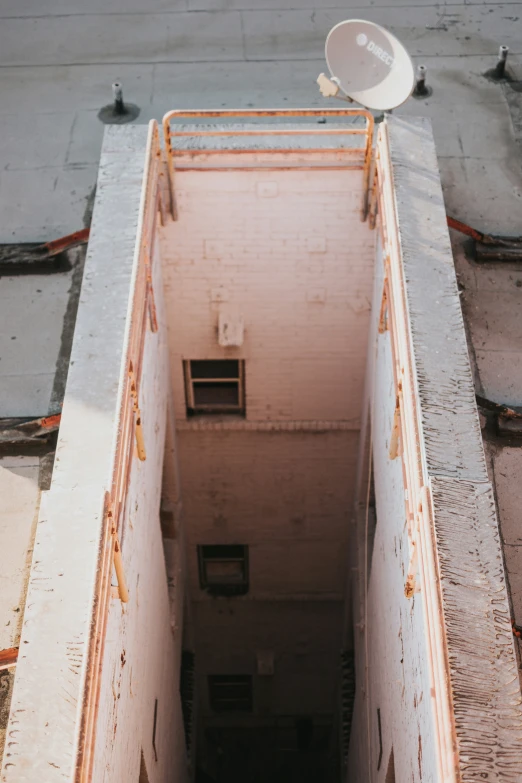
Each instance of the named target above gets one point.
<point>371,65</point>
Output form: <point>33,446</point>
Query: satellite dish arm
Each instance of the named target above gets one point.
<point>330,88</point>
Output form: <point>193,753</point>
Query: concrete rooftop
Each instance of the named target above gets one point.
<point>58,59</point>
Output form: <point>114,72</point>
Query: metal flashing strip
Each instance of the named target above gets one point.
<point>450,506</point>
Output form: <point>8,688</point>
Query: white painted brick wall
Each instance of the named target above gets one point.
<point>398,675</point>
<point>140,659</point>
<point>276,492</point>
<point>305,638</point>
<point>142,654</point>
<point>286,251</point>
<point>305,309</point>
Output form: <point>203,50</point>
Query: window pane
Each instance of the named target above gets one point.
<point>223,551</point>
<point>224,571</point>
<point>230,693</point>
<point>214,368</point>
<point>209,394</point>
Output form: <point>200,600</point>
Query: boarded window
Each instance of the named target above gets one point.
<point>223,569</point>
<point>214,386</point>
<point>230,692</point>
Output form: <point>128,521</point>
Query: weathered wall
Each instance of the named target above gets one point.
<point>287,251</point>
<point>442,674</point>
<point>141,656</point>
<point>141,661</point>
<point>305,637</point>
<point>390,636</point>
<point>271,490</point>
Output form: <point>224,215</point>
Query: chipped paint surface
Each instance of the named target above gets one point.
<point>388,628</point>
<point>463,611</point>
<point>41,733</point>
<point>44,736</point>
<point>142,654</point>
<point>474,597</point>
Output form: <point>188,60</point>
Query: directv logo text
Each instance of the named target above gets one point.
<point>372,47</point>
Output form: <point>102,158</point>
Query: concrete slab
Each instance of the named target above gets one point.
<point>26,395</point>
<point>241,85</point>
<point>483,132</point>
<point>476,130</point>
<point>506,464</point>
<point>68,39</point>
<point>33,311</point>
<point>290,5</point>
<point>30,8</point>
<point>27,143</point>
<point>499,186</point>
<point>491,299</point>
<point>56,89</point>
<point>425,30</point>
<point>17,461</point>
<point>494,278</point>
<point>490,329</point>
<point>514,100</point>
<point>20,502</point>
<point>121,38</point>
<point>85,140</point>
<point>500,374</point>
<point>43,206</point>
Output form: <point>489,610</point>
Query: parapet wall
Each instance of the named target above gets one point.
<point>96,692</point>
<point>438,688</point>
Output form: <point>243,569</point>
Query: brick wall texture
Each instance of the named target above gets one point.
<point>286,252</point>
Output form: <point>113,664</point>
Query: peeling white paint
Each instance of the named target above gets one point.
<point>395,672</point>
<point>139,662</point>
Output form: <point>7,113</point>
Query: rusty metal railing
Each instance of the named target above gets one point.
<point>361,155</point>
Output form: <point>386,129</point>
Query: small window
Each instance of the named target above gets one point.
<point>223,569</point>
<point>230,692</point>
<point>215,386</point>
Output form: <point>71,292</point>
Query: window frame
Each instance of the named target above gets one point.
<point>222,680</point>
<point>215,588</point>
<point>194,408</point>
